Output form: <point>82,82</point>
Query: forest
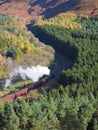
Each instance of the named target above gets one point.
<point>15,38</point>
<point>19,45</point>
<point>15,41</point>
<point>74,105</point>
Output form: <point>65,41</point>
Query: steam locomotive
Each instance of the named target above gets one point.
<point>28,88</point>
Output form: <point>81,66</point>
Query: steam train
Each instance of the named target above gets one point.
<point>28,88</point>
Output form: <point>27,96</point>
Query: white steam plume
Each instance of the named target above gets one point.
<point>33,73</point>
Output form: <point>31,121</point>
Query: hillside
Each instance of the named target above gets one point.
<point>18,46</point>
<point>72,102</point>
<point>31,9</point>
<point>87,7</point>
<point>74,36</point>
<point>74,105</point>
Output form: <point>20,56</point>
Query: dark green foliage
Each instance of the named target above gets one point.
<point>11,53</point>
<point>74,106</point>
<point>9,119</point>
<point>57,110</point>
<point>81,46</point>
<point>57,37</point>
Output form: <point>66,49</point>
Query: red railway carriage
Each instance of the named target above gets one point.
<point>12,96</point>
<point>44,80</point>
<point>15,95</point>
<point>8,98</point>
<point>19,93</point>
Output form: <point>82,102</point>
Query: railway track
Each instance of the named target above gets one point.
<point>28,88</point>
<point>60,65</point>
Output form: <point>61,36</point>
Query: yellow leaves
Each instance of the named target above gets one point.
<point>2,71</point>
<point>1,94</point>
<point>22,46</point>
<point>27,48</point>
<point>66,20</point>
<point>1,57</point>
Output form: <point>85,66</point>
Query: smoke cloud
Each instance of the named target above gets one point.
<point>33,73</point>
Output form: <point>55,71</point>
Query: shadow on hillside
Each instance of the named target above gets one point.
<point>59,46</point>
<point>53,7</point>
<point>4,1</point>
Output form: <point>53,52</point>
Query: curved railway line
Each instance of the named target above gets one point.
<point>60,64</point>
